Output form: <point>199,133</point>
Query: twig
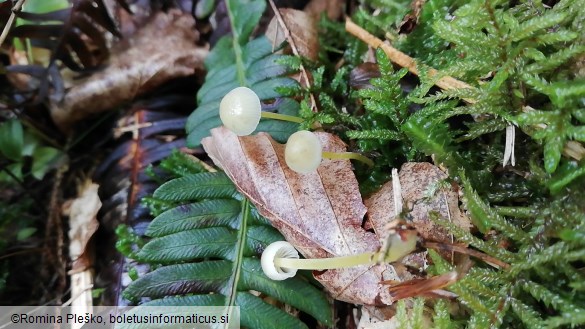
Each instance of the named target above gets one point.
<point>8,25</point>
<point>402,59</point>
<point>295,51</point>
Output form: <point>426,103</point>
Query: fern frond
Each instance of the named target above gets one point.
<point>210,244</point>
<point>235,61</point>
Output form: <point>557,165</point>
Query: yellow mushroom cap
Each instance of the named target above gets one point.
<point>303,152</point>
<point>240,111</point>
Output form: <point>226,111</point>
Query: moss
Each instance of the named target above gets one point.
<point>522,59</point>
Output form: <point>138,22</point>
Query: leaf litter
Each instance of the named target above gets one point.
<point>322,213</point>
<point>135,68</point>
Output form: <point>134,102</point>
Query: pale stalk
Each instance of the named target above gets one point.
<point>369,258</point>
<point>282,117</point>
<point>349,155</point>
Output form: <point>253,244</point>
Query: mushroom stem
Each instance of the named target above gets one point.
<point>349,155</point>
<point>398,249</point>
<point>280,260</point>
<point>325,263</point>
<point>282,117</point>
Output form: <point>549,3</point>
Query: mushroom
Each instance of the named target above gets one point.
<point>240,111</point>
<point>280,260</point>
<point>303,153</point>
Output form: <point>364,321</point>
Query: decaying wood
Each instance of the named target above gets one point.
<point>82,225</point>
<point>162,50</point>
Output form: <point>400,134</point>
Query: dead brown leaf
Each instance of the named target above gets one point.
<point>162,50</point>
<point>303,31</point>
<point>418,179</point>
<point>319,213</point>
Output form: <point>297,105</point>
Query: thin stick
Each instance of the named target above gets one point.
<point>402,59</point>
<point>295,51</point>
<point>8,25</point>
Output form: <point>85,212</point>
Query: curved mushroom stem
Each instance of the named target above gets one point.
<point>282,117</point>
<point>349,155</point>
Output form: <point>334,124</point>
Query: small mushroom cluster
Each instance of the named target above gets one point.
<point>240,111</point>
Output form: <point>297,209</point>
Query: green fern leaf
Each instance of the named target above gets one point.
<point>212,246</point>
<point>208,213</point>
<point>197,186</point>
<point>213,242</point>
<point>235,61</point>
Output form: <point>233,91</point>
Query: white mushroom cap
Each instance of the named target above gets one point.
<point>279,249</point>
<point>240,111</point>
<point>303,152</point>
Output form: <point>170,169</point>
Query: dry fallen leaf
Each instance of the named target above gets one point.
<point>418,179</point>
<point>322,213</point>
<point>319,213</point>
<point>162,50</point>
<point>302,28</point>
